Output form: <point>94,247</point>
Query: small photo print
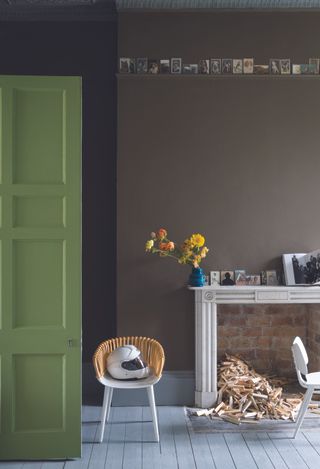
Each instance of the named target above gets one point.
<point>153,66</point>
<point>203,66</point>
<point>190,69</point>
<point>126,65</point>
<point>313,69</point>
<point>275,68</point>
<point>272,278</point>
<point>215,66</point>
<point>176,65</point>
<point>165,66</point>
<point>316,64</point>
<point>237,66</point>
<point>215,277</point>
<point>253,280</point>
<point>227,277</point>
<point>296,69</point>
<point>304,68</point>
<point>226,67</point>
<point>240,277</point>
<point>248,65</point>
<point>263,275</point>
<point>285,66</point>
<point>261,69</point>
<point>142,65</point>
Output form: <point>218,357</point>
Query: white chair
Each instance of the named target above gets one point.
<point>310,381</point>
<point>152,353</point>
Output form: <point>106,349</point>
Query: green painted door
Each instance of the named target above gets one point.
<point>40,267</point>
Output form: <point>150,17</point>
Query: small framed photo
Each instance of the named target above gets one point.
<point>274,67</point>
<point>272,277</point>
<point>304,69</point>
<point>153,66</point>
<point>215,278</point>
<point>296,69</point>
<point>285,66</point>
<point>203,68</point>
<point>190,69</point>
<point>227,277</point>
<point>316,64</point>
<point>165,66</point>
<point>313,69</point>
<point>226,66</point>
<point>261,69</point>
<point>127,65</point>
<point>237,66</point>
<point>263,275</point>
<point>248,65</point>
<point>215,66</point>
<point>253,280</point>
<point>176,65</point>
<point>142,65</point>
<point>240,277</point>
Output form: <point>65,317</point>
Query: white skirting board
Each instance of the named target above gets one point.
<point>174,388</point>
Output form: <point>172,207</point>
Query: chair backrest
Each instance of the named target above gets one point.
<point>300,357</point>
<point>151,350</point>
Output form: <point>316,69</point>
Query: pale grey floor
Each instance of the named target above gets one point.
<point>128,444</point>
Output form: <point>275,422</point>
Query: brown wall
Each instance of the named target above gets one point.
<point>234,158</point>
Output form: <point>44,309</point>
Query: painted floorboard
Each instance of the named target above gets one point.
<point>114,457</point>
<point>288,452</point>
<point>132,455</point>
<point>257,451</point>
<point>314,439</point>
<point>201,451</point>
<point>306,451</point>
<point>151,456</point>
<point>271,451</point>
<point>128,443</point>
<point>182,440</point>
<point>220,451</point>
<point>167,445</point>
<point>99,450</point>
<point>239,451</point>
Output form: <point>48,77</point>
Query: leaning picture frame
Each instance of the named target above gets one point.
<point>288,267</point>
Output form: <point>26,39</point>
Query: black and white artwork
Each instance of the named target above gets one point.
<point>142,65</point>
<point>275,68</point>
<point>176,65</point>
<point>227,66</point>
<point>215,66</point>
<point>302,268</point>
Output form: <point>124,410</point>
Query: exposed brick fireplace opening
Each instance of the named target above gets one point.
<point>263,334</point>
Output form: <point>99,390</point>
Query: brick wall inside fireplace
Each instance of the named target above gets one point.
<point>263,334</point>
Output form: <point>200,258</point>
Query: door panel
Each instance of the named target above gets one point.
<point>40,267</point>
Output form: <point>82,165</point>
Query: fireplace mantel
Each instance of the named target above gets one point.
<point>206,301</point>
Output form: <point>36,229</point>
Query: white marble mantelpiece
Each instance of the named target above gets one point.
<point>206,301</point>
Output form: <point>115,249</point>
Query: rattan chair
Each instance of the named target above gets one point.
<point>152,353</point>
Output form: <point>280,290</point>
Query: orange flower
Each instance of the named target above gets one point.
<point>166,246</point>
<point>162,233</point>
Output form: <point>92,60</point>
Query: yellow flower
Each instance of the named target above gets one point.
<point>204,252</point>
<point>197,240</point>
<point>149,244</point>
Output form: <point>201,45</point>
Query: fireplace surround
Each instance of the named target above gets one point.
<point>206,325</point>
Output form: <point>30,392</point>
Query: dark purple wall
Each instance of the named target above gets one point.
<point>87,49</point>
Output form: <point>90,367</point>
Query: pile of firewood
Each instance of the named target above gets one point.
<point>246,396</point>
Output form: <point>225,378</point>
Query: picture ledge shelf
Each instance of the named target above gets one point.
<point>142,76</point>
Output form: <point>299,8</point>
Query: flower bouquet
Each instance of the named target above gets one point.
<point>190,252</point>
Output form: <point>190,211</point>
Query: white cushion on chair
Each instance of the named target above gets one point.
<point>107,380</point>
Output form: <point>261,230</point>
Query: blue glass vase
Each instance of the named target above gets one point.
<point>197,277</point>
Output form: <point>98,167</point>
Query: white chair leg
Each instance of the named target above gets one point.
<point>153,412</point>
<point>303,409</point>
<point>104,411</point>
<point>109,404</point>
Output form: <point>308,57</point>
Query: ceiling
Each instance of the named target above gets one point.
<point>102,9</point>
